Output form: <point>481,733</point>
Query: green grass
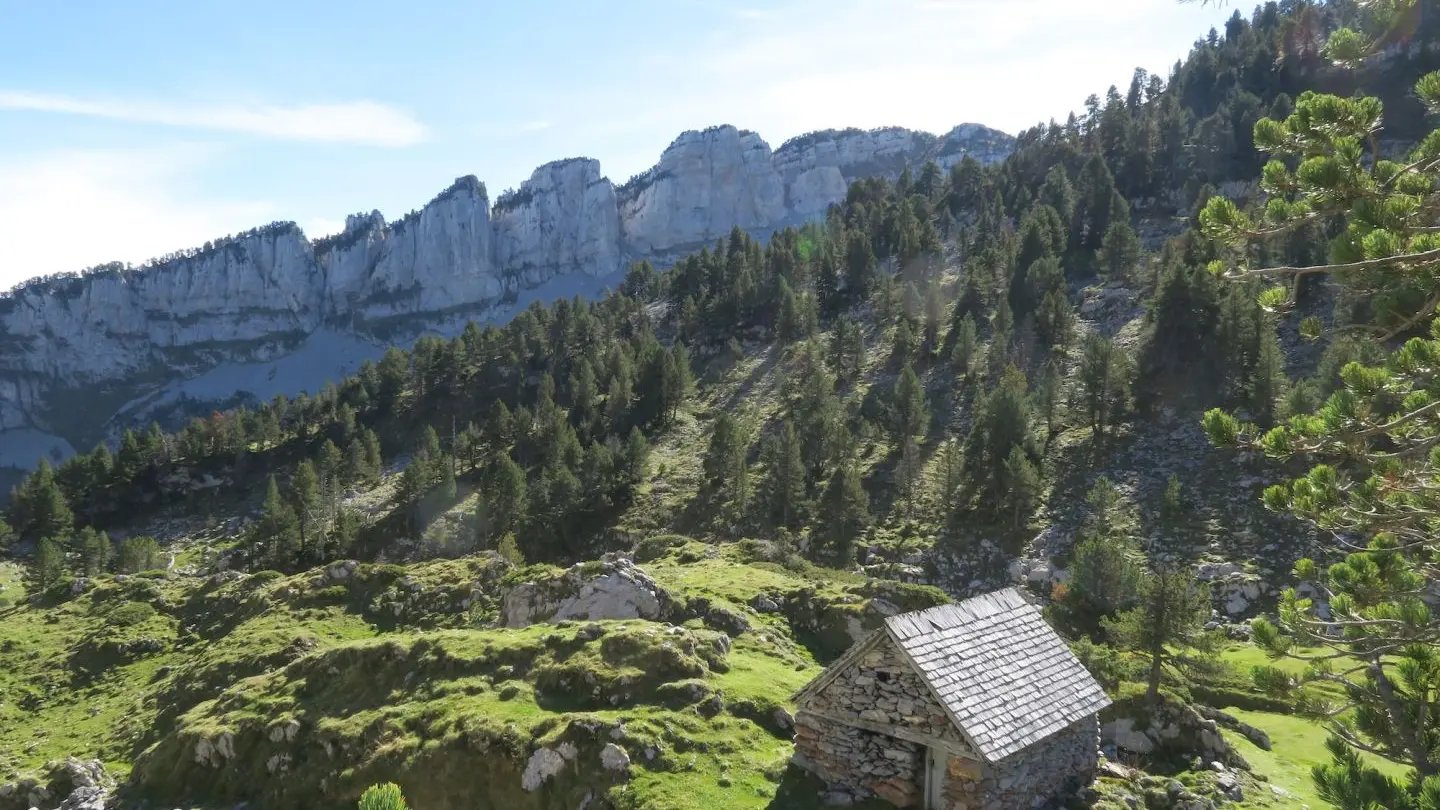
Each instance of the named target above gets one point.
<point>386,674</point>
<point>62,692</point>
<point>422,706</point>
<point>1296,744</point>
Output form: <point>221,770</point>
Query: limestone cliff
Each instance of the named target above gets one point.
<point>77,350</point>
<point>564,219</point>
<point>705,184</point>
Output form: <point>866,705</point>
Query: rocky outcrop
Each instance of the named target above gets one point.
<point>1167,729</point>
<point>819,167</point>
<point>257,297</point>
<point>615,590</point>
<point>429,262</point>
<point>564,219</point>
<point>72,784</point>
<point>705,184</point>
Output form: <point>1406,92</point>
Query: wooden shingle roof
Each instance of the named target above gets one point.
<point>1003,674</point>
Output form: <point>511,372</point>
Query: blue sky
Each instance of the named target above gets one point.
<point>132,129</point>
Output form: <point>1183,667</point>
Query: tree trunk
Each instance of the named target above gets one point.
<point>1419,755</point>
<point>1157,667</point>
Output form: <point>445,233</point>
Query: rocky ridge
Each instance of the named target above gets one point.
<point>256,296</point>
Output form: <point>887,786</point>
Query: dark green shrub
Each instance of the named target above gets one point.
<point>129,614</point>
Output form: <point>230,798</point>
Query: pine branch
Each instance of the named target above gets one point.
<point>1368,264</point>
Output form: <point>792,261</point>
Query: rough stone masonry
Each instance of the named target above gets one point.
<point>1009,714</point>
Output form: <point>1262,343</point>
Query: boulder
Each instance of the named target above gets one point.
<point>764,604</point>
<point>614,758</point>
<point>783,718</point>
<point>619,590</point>
<point>1123,734</point>
<point>543,764</point>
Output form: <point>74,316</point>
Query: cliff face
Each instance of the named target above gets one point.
<point>251,298</point>
<point>564,219</point>
<point>705,184</point>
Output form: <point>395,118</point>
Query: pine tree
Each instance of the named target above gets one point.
<point>345,531</point>
<point>139,553</point>
<point>908,474</point>
<point>1021,482</point>
<point>49,565</point>
<point>442,493</point>
<point>846,509</point>
<point>552,503</point>
<point>1105,374</point>
<point>967,343</point>
<point>504,495</point>
<point>1119,253</point>
<point>909,413</point>
<point>1371,442</point>
<point>275,537</point>
<point>816,413</point>
<point>1171,612</point>
<point>934,315</point>
<point>306,499</point>
<point>509,550</point>
<point>1002,423</point>
<point>725,457</point>
<point>785,478</point>
<point>950,476</point>
<point>902,350</point>
<point>1049,400</point>
<point>1055,322</point>
<point>39,508</point>
<point>860,265</point>
<point>374,462</point>
<point>847,350</point>
<point>95,551</point>
<point>1268,383</point>
<point>330,466</point>
<point>634,457</point>
<point>500,425</point>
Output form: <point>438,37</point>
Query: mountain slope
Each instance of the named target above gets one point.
<point>112,336</point>
<point>951,383</point>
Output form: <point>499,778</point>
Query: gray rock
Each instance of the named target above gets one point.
<point>1124,734</point>
<point>614,758</point>
<point>543,764</point>
<point>783,718</point>
<point>619,591</point>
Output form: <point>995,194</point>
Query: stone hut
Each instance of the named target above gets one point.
<point>974,706</point>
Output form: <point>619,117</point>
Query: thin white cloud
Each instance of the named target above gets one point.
<point>67,210</point>
<point>535,126</point>
<point>923,64</point>
<point>359,122</point>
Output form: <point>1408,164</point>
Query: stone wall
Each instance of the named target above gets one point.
<point>841,736</point>
<point>870,763</point>
<point>864,762</point>
<point>1052,768</point>
<point>964,781</point>
<point>882,688</point>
